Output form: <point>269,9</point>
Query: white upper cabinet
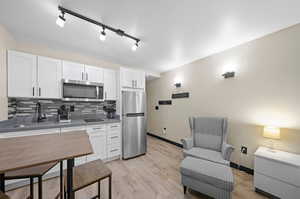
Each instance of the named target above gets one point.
<point>110,84</point>
<point>21,74</point>
<point>132,78</point>
<point>140,79</point>
<point>49,77</point>
<point>93,74</point>
<point>73,71</point>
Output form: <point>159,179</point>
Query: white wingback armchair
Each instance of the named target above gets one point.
<point>209,140</point>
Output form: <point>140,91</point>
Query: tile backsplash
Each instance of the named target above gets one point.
<point>27,106</point>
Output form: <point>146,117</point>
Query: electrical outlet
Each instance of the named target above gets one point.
<point>244,150</point>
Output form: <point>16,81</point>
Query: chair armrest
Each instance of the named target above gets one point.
<point>227,150</point>
<point>187,143</point>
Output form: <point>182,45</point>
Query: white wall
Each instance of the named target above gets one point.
<point>6,42</point>
<point>265,91</point>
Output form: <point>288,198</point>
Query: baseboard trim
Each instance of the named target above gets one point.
<point>242,168</point>
<point>268,195</point>
<point>165,139</point>
<point>232,164</point>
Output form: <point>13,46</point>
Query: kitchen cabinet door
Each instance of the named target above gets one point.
<point>22,75</point>
<point>132,78</point>
<point>73,71</point>
<point>49,77</point>
<point>127,78</point>
<point>98,142</point>
<point>110,84</point>
<point>140,80</point>
<point>93,74</point>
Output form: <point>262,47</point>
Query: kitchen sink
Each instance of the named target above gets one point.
<point>93,120</point>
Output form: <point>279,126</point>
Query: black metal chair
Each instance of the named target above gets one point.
<point>88,174</point>
<point>31,173</point>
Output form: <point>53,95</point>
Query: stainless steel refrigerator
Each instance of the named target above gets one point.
<point>133,124</point>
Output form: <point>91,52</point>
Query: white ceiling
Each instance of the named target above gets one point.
<point>172,32</point>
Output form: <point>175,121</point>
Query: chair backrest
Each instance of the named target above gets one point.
<point>208,132</point>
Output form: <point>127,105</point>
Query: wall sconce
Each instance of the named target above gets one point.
<point>178,82</point>
<point>177,85</point>
<point>228,75</point>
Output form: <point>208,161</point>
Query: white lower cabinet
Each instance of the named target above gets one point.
<point>97,135</point>
<point>113,140</point>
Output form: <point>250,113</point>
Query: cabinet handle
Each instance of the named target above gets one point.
<point>114,126</point>
<point>97,128</point>
<point>87,76</point>
<point>113,137</point>
<point>32,91</point>
<point>82,75</point>
<point>105,95</point>
<point>40,91</point>
<point>114,150</point>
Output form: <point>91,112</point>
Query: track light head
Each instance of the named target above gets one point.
<point>102,36</point>
<point>135,46</point>
<point>60,21</point>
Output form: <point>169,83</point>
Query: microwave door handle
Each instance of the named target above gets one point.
<point>97,93</point>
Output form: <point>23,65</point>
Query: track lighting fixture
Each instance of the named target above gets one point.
<point>135,46</point>
<point>61,22</point>
<point>102,36</point>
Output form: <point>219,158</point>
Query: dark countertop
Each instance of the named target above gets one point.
<point>14,125</point>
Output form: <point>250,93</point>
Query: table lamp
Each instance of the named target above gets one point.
<point>271,133</point>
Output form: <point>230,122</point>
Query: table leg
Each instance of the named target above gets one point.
<point>61,179</point>
<point>70,165</point>
<point>2,182</point>
<point>40,184</point>
<point>109,188</point>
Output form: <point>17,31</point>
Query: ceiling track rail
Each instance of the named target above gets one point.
<point>104,26</point>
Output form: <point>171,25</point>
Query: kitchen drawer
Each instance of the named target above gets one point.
<point>113,126</point>
<point>29,133</point>
<point>96,128</point>
<point>75,128</point>
<point>113,150</point>
<point>276,187</point>
<point>113,138</point>
<point>280,171</point>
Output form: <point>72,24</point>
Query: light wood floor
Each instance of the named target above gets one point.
<point>152,176</point>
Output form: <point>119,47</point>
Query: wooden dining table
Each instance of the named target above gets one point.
<point>24,152</point>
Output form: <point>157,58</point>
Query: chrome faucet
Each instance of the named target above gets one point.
<point>40,116</point>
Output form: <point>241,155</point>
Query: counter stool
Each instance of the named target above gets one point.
<point>31,173</point>
<point>3,196</point>
<point>88,174</point>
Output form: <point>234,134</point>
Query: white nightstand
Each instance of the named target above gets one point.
<point>277,172</point>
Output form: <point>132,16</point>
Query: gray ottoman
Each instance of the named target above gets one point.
<point>212,179</point>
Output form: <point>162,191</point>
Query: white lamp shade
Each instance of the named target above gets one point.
<point>271,132</point>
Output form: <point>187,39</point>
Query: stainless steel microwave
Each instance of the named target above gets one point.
<point>74,90</point>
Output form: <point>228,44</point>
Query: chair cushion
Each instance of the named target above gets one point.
<point>206,154</point>
<point>216,175</point>
<point>208,132</point>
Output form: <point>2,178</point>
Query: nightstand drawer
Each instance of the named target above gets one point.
<point>276,187</point>
<point>278,170</point>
